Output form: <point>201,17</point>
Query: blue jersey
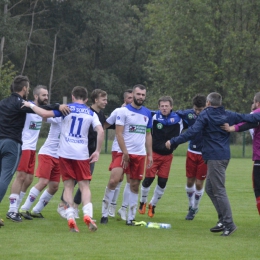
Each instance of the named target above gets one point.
<point>164,128</point>
<point>189,117</point>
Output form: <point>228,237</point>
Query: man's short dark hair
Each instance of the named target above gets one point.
<point>96,93</point>
<point>142,87</point>
<point>199,100</point>
<point>128,91</point>
<point>36,90</point>
<point>165,99</point>
<point>19,82</point>
<point>80,93</point>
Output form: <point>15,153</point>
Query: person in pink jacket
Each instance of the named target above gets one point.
<point>256,146</point>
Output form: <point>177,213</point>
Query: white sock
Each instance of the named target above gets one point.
<point>126,195</point>
<point>88,210</point>
<point>197,198</point>
<point>13,198</point>
<point>70,213</point>
<point>133,201</point>
<point>22,194</point>
<point>116,194</point>
<point>109,194</point>
<point>43,201</point>
<point>144,194</point>
<point>190,194</point>
<point>33,194</point>
<point>157,194</point>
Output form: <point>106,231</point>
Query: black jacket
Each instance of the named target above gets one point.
<point>165,127</point>
<point>92,134</point>
<point>12,116</point>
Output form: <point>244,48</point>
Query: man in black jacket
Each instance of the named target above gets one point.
<point>12,119</point>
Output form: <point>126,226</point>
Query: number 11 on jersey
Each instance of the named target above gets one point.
<point>72,133</point>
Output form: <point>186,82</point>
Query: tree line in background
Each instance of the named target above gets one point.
<point>177,48</point>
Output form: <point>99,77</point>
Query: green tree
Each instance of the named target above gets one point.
<point>200,46</point>
<point>6,78</point>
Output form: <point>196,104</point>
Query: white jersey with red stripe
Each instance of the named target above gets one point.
<point>74,132</point>
<point>135,122</point>
<point>51,144</point>
<point>31,131</point>
<point>112,120</point>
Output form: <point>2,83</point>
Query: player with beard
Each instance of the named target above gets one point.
<point>133,133</point>
<point>12,119</point>
<point>25,169</point>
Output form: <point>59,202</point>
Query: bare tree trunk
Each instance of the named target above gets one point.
<point>52,64</point>
<point>2,43</point>
<point>29,38</point>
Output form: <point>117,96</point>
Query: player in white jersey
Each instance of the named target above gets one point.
<point>48,171</point>
<point>133,132</point>
<point>74,155</point>
<point>25,169</point>
<point>128,98</point>
<point>99,101</point>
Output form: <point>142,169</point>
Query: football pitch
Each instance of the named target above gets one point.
<point>49,238</point>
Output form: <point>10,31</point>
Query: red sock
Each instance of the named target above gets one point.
<point>258,204</point>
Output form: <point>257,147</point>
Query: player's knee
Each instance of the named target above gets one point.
<point>43,183</point>
<point>21,177</point>
<point>54,188</point>
<point>162,182</point>
<point>147,182</point>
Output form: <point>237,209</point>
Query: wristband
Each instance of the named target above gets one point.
<point>31,106</point>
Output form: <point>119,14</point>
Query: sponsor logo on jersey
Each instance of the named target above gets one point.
<point>118,117</point>
<point>191,116</point>
<point>159,126</point>
<point>35,125</point>
<point>84,110</point>
<point>138,129</point>
<point>70,140</point>
<point>172,120</point>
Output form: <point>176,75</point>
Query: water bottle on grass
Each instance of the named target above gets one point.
<point>158,225</point>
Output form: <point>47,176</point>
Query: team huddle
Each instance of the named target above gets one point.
<point>142,149</point>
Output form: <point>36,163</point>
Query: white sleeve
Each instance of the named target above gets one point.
<point>112,118</point>
<point>120,117</point>
<point>51,120</point>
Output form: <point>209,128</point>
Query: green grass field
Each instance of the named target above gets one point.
<point>49,238</point>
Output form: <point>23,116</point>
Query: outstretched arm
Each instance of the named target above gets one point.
<point>188,135</point>
<point>39,111</point>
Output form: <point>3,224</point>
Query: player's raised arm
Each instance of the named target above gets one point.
<point>39,111</point>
